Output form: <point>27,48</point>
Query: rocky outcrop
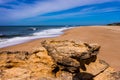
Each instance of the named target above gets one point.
<point>25,66</point>
<point>114,24</point>
<point>71,56</point>
<point>56,60</point>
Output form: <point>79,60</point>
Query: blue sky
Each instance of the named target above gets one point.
<point>59,12</point>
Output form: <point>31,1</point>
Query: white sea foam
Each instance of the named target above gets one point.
<point>41,34</point>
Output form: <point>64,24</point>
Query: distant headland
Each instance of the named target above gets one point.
<point>114,24</point>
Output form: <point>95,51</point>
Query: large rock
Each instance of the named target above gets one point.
<point>31,66</point>
<point>70,55</point>
<point>56,60</point>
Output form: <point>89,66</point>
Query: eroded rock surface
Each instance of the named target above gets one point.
<point>32,66</point>
<point>69,55</point>
<point>56,60</point>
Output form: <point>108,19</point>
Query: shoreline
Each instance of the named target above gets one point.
<point>108,37</point>
<point>37,34</point>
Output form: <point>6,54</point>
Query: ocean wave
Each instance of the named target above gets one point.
<point>50,32</point>
<point>9,35</point>
<point>36,35</point>
<point>32,28</point>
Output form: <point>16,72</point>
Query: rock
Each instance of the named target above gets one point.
<point>70,55</point>
<point>56,60</point>
<point>38,64</point>
<point>83,76</point>
<point>15,74</point>
<point>95,68</point>
<point>62,76</point>
<point>13,59</point>
<point>108,74</point>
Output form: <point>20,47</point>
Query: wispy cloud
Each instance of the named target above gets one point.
<point>5,1</point>
<point>21,10</point>
<point>82,13</point>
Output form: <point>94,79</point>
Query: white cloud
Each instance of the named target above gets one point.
<point>85,12</point>
<point>82,13</point>
<point>5,1</point>
<point>24,10</point>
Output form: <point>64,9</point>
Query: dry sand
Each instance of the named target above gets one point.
<point>106,36</point>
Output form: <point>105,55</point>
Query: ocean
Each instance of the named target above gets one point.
<point>12,35</point>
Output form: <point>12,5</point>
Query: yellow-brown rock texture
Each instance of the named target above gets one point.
<point>56,60</point>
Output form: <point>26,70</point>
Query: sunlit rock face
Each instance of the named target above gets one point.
<point>56,60</point>
<point>69,55</point>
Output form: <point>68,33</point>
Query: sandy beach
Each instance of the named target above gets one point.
<point>108,37</point>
